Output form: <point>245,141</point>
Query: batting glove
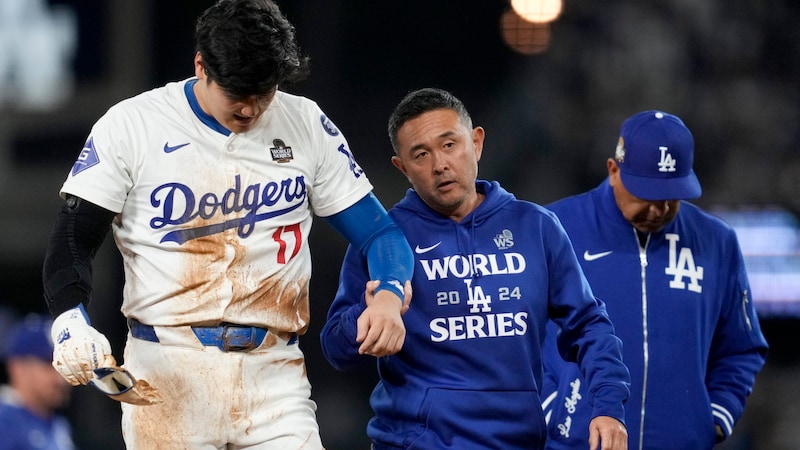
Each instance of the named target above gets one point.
<point>78,347</point>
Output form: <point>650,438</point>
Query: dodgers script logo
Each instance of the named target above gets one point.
<point>180,205</point>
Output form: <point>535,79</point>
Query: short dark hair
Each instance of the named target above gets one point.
<point>248,47</point>
<point>419,102</point>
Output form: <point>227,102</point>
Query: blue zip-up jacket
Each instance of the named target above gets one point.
<point>469,373</point>
<point>681,305</point>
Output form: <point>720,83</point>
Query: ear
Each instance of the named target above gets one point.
<point>478,135</point>
<point>199,67</point>
<point>613,171</point>
<point>397,162</point>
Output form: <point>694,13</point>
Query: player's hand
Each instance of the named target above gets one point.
<point>381,330</point>
<point>78,348</point>
<point>607,433</point>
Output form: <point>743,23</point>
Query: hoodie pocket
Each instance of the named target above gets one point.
<point>466,420</point>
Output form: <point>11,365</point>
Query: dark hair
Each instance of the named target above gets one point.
<point>248,47</point>
<point>421,101</point>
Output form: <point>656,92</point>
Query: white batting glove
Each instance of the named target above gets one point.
<point>78,348</point>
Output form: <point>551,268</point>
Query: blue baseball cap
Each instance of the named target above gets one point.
<point>31,337</point>
<point>655,154</point>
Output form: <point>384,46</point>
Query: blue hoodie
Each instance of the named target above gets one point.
<point>469,373</point>
<point>681,304</point>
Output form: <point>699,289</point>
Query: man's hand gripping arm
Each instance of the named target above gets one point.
<point>381,330</point>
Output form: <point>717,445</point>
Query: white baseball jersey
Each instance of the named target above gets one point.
<point>214,227</point>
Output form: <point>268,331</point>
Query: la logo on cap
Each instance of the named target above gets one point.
<point>667,163</point>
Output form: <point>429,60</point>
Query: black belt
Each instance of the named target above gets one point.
<point>228,337</point>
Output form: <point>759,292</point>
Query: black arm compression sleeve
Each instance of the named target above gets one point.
<point>78,232</point>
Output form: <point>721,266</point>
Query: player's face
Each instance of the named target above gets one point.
<point>647,216</point>
<point>238,114</point>
<point>439,155</point>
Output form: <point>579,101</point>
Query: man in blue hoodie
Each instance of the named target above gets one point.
<point>674,282</point>
<point>489,271</point>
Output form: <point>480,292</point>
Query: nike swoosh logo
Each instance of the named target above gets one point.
<point>168,149</point>
<point>592,256</point>
<point>421,250</point>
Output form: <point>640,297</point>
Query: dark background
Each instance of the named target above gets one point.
<point>729,68</point>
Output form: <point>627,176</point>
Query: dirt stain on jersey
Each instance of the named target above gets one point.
<point>201,278</point>
<point>221,282</point>
<point>280,302</point>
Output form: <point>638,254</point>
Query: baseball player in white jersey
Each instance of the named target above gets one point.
<point>210,185</point>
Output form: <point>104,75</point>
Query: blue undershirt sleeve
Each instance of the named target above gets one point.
<point>369,228</point>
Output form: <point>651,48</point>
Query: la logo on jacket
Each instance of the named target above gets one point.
<point>682,265</point>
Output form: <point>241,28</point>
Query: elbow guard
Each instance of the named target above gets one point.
<point>78,232</point>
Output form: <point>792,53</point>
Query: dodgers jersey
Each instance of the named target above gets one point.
<point>469,372</point>
<point>213,226</point>
<point>681,304</point>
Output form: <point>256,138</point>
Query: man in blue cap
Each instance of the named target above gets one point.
<point>29,404</point>
<point>674,282</point>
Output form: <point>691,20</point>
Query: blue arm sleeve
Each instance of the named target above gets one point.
<point>369,228</point>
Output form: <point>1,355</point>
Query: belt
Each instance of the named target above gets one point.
<point>227,337</point>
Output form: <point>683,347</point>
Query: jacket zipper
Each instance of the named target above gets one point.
<point>645,347</point>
